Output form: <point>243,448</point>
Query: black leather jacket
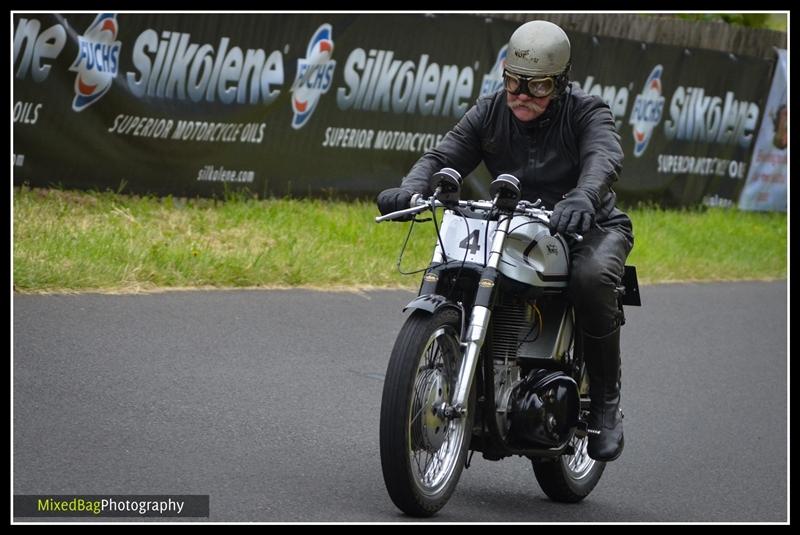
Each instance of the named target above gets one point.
<point>574,144</point>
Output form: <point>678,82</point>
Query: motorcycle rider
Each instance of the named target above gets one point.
<point>563,147</point>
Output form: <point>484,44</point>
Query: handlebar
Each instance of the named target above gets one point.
<point>420,204</point>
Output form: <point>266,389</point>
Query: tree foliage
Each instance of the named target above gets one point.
<point>768,21</point>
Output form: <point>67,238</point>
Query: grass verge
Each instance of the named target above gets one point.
<point>75,241</point>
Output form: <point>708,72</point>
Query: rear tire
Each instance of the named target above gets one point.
<point>569,478</point>
<point>422,452</point>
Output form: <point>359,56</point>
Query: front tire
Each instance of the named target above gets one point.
<point>422,451</point>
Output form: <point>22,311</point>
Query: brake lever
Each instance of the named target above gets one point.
<point>400,213</point>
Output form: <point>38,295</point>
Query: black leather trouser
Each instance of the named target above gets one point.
<point>598,263</point>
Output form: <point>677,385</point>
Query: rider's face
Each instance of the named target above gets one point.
<point>525,107</point>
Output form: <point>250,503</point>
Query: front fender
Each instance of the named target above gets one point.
<point>431,303</point>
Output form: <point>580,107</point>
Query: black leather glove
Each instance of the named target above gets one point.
<point>574,213</point>
<point>393,199</point>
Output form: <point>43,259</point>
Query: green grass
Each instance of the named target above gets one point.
<point>712,244</point>
<point>70,241</point>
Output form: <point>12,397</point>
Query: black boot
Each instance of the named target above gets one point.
<point>605,417</point>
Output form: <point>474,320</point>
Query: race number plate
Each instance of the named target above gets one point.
<point>466,240</point>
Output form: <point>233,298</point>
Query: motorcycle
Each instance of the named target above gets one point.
<point>488,359</point>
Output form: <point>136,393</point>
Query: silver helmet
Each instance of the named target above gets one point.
<point>537,49</point>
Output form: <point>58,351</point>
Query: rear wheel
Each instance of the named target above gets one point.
<point>422,451</point>
<point>570,478</point>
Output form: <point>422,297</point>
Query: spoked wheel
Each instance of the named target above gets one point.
<point>570,478</point>
<point>423,451</point>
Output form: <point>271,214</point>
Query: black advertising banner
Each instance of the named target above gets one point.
<point>312,104</point>
<point>278,103</point>
<point>687,118</point>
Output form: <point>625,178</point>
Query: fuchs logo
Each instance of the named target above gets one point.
<point>314,75</point>
<point>647,111</point>
<point>97,62</point>
<point>493,81</point>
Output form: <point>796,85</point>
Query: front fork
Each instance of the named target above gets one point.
<point>478,323</point>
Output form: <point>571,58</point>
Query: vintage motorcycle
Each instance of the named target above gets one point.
<point>489,359</point>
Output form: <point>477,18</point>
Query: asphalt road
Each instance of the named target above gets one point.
<point>269,401</point>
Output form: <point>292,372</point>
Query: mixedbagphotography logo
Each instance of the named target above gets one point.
<point>97,62</point>
<point>131,505</point>
<point>647,111</point>
<point>314,75</point>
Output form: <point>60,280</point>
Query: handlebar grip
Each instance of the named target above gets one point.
<point>400,213</point>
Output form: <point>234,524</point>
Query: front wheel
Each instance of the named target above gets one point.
<point>422,451</point>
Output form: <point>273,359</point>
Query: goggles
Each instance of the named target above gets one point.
<point>533,87</point>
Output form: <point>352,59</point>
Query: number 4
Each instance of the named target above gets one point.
<point>472,241</point>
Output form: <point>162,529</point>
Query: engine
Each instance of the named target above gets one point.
<point>537,411</point>
<point>544,409</point>
<point>535,408</point>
